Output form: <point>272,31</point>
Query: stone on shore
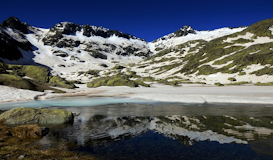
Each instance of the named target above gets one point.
<point>23,115</point>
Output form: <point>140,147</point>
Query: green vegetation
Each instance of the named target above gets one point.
<point>96,54</point>
<point>198,46</point>
<point>22,115</point>
<point>232,79</point>
<point>143,66</point>
<point>21,83</point>
<point>132,74</point>
<point>175,83</point>
<point>38,73</point>
<point>141,83</point>
<point>242,73</point>
<point>3,68</point>
<point>199,82</point>
<point>209,51</point>
<point>260,28</point>
<point>40,78</point>
<point>164,60</point>
<point>75,82</point>
<point>14,67</point>
<point>206,70</point>
<point>116,80</point>
<point>148,79</point>
<point>241,57</point>
<point>60,82</point>
<point>264,84</point>
<point>242,41</point>
<point>160,54</point>
<point>158,49</point>
<point>238,83</point>
<point>16,81</point>
<point>103,65</point>
<point>264,56</point>
<point>263,71</point>
<point>167,67</point>
<point>218,84</point>
<point>95,73</point>
<point>171,83</point>
<point>118,67</point>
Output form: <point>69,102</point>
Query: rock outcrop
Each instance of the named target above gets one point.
<point>23,115</point>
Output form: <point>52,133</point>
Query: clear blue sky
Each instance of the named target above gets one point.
<point>147,19</point>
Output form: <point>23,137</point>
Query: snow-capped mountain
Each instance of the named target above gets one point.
<point>187,33</point>
<point>69,48</point>
<point>228,56</point>
<point>224,55</point>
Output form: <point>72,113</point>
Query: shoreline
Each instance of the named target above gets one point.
<point>190,94</point>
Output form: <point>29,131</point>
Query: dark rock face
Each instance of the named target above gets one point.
<point>15,23</point>
<point>60,53</point>
<point>184,31</point>
<point>13,40</point>
<point>97,54</point>
<point>8,49</point>
<point>52,39</point>
<point>179,33</point>
<point>23,115</point>
<point>68,28</point>
<point>68,43</point>
<point>103,32</point>
<point>9,46</point>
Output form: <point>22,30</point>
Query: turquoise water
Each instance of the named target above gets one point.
<point>70,102</point>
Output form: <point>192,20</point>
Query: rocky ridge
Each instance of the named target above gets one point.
<point>84,52</point>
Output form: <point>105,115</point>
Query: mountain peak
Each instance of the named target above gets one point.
<point>66,28</point>
<point>15,23</point>
<point>185,30</point>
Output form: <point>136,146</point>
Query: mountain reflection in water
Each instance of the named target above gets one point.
<point>168,131</point>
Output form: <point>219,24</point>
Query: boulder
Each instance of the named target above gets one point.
<point>23,115</point>
<point>39,73</point>
<point>61,82</point>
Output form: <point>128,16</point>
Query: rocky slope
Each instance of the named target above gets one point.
<point>242,57</point>
<point>84,52</point>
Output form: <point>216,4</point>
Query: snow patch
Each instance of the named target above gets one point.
<point>258,40</point>
<point>204,35</point>
<point>248,35</point>
<point>271,29</point>
<point>255,52</point>
<point>18,37</point>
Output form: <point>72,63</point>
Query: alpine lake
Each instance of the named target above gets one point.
<point>119,128</point>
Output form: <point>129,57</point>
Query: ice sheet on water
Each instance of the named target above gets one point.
<point>70,102</point>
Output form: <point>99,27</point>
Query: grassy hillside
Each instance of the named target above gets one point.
<point>246,53</point>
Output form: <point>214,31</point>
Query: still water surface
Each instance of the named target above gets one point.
<point>115,128</point>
